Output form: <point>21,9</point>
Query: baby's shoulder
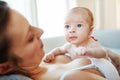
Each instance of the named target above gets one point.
<point>66,46</point>
<point>94,43</point>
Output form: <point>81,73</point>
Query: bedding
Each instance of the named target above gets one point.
<point>14,77</point>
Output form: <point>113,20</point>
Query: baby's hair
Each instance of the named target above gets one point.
<point>86,11</point>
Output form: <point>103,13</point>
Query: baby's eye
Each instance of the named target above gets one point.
<point>67,26</point>
<point>79,25</point>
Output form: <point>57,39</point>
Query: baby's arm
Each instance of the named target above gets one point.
<point>57,51</point>
<point>97,52</point>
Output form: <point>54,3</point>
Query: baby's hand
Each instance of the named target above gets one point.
<point>81,51</point>
<point>49,57</point>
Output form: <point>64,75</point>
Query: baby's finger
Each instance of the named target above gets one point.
<point>46,60</point>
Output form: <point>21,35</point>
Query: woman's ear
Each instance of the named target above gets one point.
<point>5,68</point>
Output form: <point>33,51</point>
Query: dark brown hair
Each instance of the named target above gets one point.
<point>6,43</point>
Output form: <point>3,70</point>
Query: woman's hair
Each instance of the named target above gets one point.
<point>6,56</point>
<point>4,41</point>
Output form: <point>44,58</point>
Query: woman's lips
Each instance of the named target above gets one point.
<point>41,45</point>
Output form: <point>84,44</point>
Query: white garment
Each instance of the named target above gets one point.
<point>103,65</point>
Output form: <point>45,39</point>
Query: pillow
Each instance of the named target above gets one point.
<point>116,50</point>
<point>14,77</point>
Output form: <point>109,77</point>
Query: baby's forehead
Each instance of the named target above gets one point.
<point>78,15</point>
<point>84,13</point>
<point>80,11</point>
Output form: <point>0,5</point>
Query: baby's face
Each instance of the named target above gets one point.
<point>77,29</point>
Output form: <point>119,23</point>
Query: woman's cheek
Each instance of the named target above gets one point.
<point>34,49</point>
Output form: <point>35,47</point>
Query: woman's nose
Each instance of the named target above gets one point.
<point>39,32</point>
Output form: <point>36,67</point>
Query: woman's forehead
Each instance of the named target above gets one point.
<point>17,26</point>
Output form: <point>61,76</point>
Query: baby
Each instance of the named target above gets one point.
<point>78,28</point>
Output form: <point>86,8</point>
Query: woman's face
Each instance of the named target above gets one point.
<point>26,42</point>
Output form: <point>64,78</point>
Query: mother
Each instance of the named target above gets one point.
<point>21,51</point>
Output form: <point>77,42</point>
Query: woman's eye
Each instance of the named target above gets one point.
<point>31,38</point>
<point>79,25</point>
<point>67,26</point>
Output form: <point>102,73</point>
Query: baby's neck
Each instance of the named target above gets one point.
<point>85,43</point>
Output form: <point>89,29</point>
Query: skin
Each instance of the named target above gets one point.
<point>78,31</point>
<point>27,45</point>
<point>26,42</point>
<point>77,35</point>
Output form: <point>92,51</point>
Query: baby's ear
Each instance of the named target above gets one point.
<point>91,29</point>
<point>5,68</point>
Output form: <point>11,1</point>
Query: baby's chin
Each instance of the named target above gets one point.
<point>74,43</point>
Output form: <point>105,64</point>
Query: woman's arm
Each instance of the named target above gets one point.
<point>115,58</point>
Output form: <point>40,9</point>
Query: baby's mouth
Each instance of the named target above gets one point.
<point>72,37</point>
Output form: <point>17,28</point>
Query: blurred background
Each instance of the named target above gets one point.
<point>49,14</point>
